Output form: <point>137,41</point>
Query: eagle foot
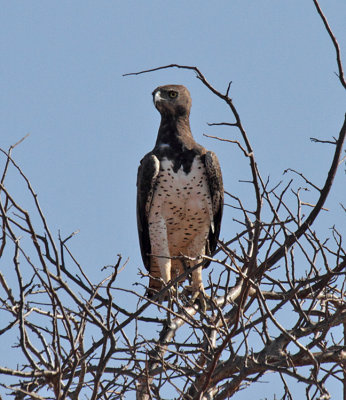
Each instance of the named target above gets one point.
<point>198,294</point>
<point>169,295</point>
<point>172,297</point>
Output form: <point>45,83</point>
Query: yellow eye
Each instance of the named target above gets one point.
<point>172,94</point>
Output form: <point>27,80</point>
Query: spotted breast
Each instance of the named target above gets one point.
<point>180,214</point>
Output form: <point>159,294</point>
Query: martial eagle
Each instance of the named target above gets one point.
<point>179,196</point>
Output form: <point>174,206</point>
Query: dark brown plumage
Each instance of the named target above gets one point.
<point>179,194</point>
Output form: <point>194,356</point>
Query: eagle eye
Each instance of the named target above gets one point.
<point>172,94</point>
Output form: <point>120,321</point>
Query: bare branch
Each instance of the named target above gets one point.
<point>335,43</point>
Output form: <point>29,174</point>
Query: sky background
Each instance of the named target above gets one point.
<point>61,67</point>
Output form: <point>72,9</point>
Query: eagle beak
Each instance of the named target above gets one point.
<point>157,97</point>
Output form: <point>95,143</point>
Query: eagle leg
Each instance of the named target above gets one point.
<point>171,299</point>
<point>170,295</point>
<point>197,289</point>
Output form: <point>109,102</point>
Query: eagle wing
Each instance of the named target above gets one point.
<point>214,178</point>
<point>146,178</point>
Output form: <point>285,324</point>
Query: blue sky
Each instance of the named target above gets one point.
<point>61,81</point>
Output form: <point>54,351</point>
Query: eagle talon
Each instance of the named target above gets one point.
<point>200,295</point>
<point>172,297</point>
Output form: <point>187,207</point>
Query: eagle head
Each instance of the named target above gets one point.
<point>172,100</point>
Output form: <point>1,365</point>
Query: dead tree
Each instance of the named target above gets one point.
<point>277,302</point>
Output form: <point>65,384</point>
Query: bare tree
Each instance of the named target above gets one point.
<point>276,304</point>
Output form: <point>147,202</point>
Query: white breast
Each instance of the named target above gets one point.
<point>182,198</point>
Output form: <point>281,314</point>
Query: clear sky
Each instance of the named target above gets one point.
<point>61,81</point>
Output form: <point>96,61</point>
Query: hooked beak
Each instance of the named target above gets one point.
<point>157,97</point>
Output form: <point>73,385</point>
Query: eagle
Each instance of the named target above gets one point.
<point>179,197</point>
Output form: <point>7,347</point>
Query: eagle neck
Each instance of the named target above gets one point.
<point>175,132</point>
